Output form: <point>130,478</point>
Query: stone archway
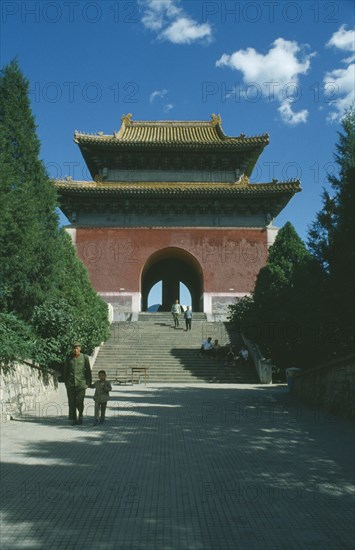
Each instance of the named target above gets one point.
<point>171,266</point>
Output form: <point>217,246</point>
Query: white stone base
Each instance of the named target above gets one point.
<point>215,304</point>
<point>123,306</point>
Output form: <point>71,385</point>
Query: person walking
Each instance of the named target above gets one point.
<point>188,318</point>
<point>101,396</point>
<point>176,311</point>
<point>77,378</point>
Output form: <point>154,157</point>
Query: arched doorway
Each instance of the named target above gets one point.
<point>172,266</point>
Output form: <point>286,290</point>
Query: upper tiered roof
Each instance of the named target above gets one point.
<point>171,133</point>
<point>164,144</point>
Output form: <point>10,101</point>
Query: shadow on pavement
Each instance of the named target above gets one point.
<point>180,468</point>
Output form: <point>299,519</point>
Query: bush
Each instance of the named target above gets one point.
<point>17,341</point>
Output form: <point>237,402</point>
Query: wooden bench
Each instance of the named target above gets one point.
<point>139,371</point>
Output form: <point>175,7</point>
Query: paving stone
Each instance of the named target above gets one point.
<point>179,467</point>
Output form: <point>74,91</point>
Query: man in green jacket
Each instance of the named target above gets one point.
<point>77,377</point>
<point>175,311</point>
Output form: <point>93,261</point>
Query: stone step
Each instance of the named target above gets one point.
<point>163,315</point>
<point>169,355</point>
<point>166,376</point>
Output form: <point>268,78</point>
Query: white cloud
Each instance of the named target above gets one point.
<point>343,39</point>
<point>157,11</point>
<point>339,83</point>
<point>171,23</point>
<point>289,116</point>
<point>276,72</point>
<point>161,94</point>
<point>168,107</point>
<point>157,93</point>
<point>186,31</point>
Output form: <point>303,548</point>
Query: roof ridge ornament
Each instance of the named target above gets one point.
<point>126,121</point>
<point>242,181</point>
<point>216,119</point>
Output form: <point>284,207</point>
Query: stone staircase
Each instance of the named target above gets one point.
<point>171,355</point>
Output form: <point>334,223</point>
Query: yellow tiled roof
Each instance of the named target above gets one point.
<point>199,132</point>
<point>180,188</point>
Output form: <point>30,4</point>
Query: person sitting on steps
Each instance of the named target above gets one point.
<point>216,349</point>
<point>206,347</point>
<point>231,358</point>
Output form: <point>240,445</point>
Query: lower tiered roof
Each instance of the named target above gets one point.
<point>112,194</point>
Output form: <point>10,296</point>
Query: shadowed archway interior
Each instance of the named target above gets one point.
<point>172,266</point>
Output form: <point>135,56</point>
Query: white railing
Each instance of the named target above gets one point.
<point>262,366</point>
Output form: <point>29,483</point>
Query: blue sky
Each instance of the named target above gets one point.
<point>286,68</point>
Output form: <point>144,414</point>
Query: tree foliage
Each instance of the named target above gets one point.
<point>280,328</point>
<point>238,312</point>
<point>28,219</point>
<point>302,311</point>
<point>17,341</point>
<point>73,312</point>
<point>42,282</point>
<point>282,316</point>
<point>332,235</point>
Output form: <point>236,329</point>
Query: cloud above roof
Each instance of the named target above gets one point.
<point>170,22</point>
<point>276,73</point>
<point>161,95</point>
<point>157,93</point>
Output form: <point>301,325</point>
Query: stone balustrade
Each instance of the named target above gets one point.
<point>262,365</point>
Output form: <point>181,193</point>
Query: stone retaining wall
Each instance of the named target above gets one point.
<point>23,386</point>
<point>330,386</point>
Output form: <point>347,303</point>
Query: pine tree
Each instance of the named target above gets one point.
<point>332,236</point>
<point>342,253</point>
<point>41,279</point>
<point>28,219</point>
<point>280,308</point>
<point>276,278</point>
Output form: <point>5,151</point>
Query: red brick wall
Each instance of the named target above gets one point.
<point>116,257</point>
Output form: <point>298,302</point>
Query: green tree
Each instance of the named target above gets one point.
<point>74,311</point>
<point>239,311</point>
<point>331,236</point>
<point>17,341</point>
<point>45,294</point>
<point>276,318</point>
<point>276,278</point>
<point>28,219</point>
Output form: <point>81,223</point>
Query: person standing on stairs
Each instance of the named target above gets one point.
<point>188,318</point>
<point>176,311</point>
